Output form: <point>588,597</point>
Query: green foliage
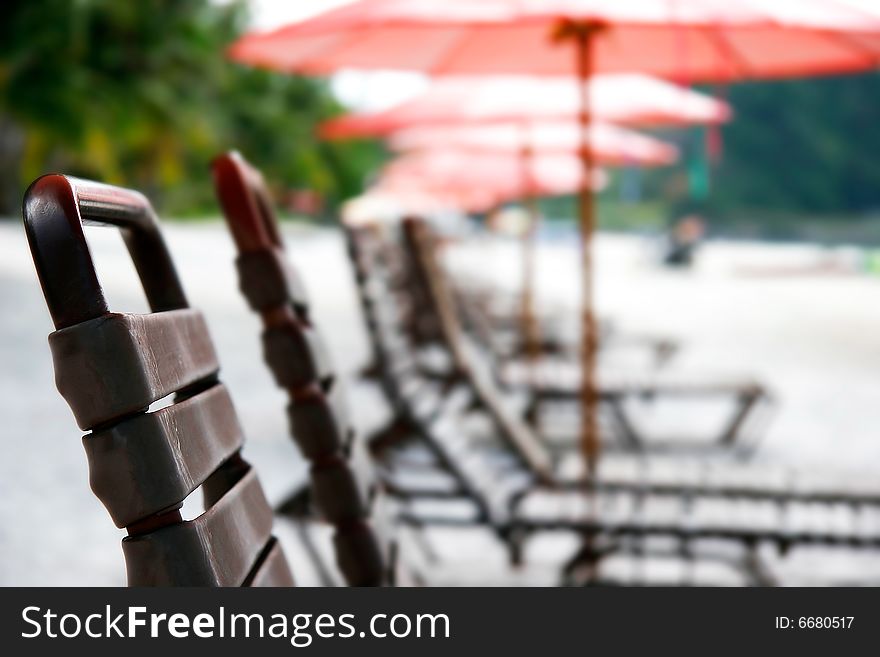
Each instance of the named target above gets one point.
<point>803,145</point>
<point>140,94</point>
<point>799,162</point>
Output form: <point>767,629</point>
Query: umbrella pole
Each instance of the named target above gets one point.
<point>590,440</point>
<point>529,320</point>
<point>529,324</point>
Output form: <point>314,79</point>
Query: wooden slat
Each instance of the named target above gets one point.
<point>118,364</point>
<point>319,423</point>
<point>737,519</point>
<point>675,383</point>
<point>268,281</point>
<point>296,355</point>
<point>359,555</point>
<point>471,473</point>
<point>272,570</point>
<point>514,432</point>
<point>219,548</point>
<point>336,493</point>
<point>151,462</point>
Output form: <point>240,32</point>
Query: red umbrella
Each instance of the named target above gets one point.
<point>706,40</point>
<point>622,99</point>
<point>680,39</point>
<point>480,180</point>
<point>519,102</point>
<point>607,144</point>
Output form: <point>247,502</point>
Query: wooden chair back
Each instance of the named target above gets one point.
<point>421,244</point>
<point>111,367</point>
<point>436,411</point>
<point>343,483</point>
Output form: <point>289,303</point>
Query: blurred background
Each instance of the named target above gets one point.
<point>141,95</point>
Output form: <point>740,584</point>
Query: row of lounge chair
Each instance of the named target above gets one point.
<point>551,377</point>
<point>512,476</point>
<point>458,452</point>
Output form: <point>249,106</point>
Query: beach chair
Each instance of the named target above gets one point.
<point>518,488</point>
<point>145,388</point>
<point>322,431</point>
<point>344,488</point>
<point>553,384</point>
<point>494,319</point>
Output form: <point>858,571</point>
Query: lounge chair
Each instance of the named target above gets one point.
<point>145,388</point>
<point>737,406</point>
<point>343,486</point>
<point>518,489</point>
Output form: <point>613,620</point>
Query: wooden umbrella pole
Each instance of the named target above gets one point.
<point>590,439</point>
<point>530,330</point>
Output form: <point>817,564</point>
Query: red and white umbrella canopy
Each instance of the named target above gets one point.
<point>412,196</point>
<point>629,99</point>
<point>498,177</point>
<point>609,145</point>
<point>681,39</point>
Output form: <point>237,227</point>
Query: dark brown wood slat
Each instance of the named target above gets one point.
<point>272,570</point>
<point>109,367</point>
<point>429,292</point>
<point>359,555</point>
<point>219,548</point>
<point>151,462</point>
<point>319,422</point>
<point>296,354</point>
<point>337,493</point>
<point>267,280</point>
